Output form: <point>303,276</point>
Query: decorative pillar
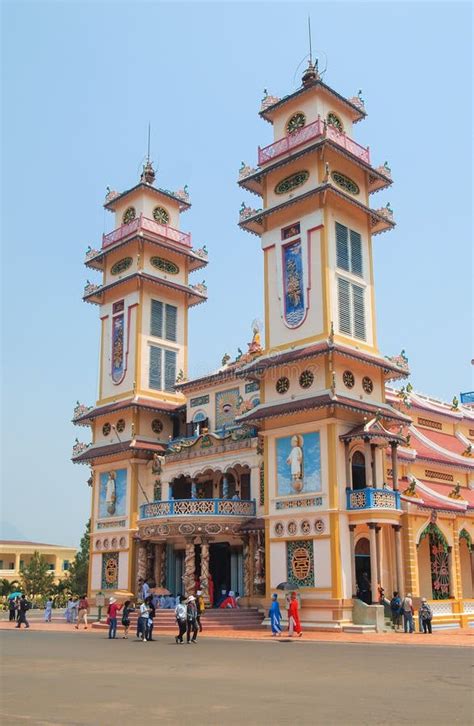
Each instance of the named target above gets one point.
<point>193,489</point>
<point>452,589</point>
<point>247,567</point>
<point>141,565</point>
<point>379,556</point>
<point>225,487</point>
<point>150,561</point>
<point>373,461</point>
<point>394,447</point>
<point>373,562</point>
<point>398,557</point>
<point>368,463</point>
<point>347,463</point>
<point>189,575</point>
<point>353,564</point>
<point>259,564</point>
<point>159,562</point>
<point>205,570</point>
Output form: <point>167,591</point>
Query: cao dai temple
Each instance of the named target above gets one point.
<point>298,462</point>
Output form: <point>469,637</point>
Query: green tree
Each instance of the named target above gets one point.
<point>78,577</point>
<point>6,587</point>
<point>37,578</point>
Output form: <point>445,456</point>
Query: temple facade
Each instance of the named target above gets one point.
<point>307,459</point>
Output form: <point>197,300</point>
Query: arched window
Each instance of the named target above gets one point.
<point>358,470</point>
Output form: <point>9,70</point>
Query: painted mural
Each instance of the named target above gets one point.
<point>227,404</point>
<point>293,284</point>
<point>113,493</point>
<point>118,348</point>
<point>110,563</point>
<point>298,464</point>
<point>300,563</point>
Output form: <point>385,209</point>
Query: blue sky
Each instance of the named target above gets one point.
<point>80,83</point>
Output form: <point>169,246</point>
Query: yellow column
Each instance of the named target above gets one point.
<point>373,562</point>
<point>336,565</point>
<point>411,559</point>
<point>457,578</point>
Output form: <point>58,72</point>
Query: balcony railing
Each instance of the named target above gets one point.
<point>370,498</point>
<point>148,225</point>
<point>307,133</point>
<point>199,507</point>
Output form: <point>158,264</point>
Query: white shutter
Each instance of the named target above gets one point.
<point>356,253</point>
<point>358,311</point>
<point>170,370</point>
<point>154,378</point>
<point>171,322</point>
<point>156,320</point>
<point>344,305</point>
<point>342,247</point>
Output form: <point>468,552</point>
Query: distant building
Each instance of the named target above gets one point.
<point>15,555</point>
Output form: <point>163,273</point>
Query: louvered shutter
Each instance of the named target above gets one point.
<point>170,322</point>
<point>342,246</point>
<point>170,370</point>
<point>359,311</point>
<point>344,306</point>
<point>155,368</point>
<point>156,322</point>
<point>356,253</point>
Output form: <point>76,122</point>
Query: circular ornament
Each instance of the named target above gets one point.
<point>345,182</point>
<point>279,529</point>
<point>291,182</point>
<point>163,529</point>
<point>305,526</point>
<point>319,526</point>
<point>164,265</point>
<point>106,544</point>
<point>120,425</point>
<point>367,384</point>
<point>121,266</point>
<point>98,544</point>
<point>187,528</point>
<point>123,542</point>
<point>160,215</point>
<point>292,528</point>
<point>306,379</point>
<point>335,121</point>
<point>282,385</point>
<point>114,542</point>
<point>156,426</point>
<point>348,379</point>
<point>297,121</point>
<point>213,528</point>
<point>106,429</point>
<point>129,215</point>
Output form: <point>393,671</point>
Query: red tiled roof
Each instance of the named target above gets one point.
<point>446,441</point>
<point>425,451</point>
<point>431,500</point>
<point>98,452</point>
<point>138,402</point>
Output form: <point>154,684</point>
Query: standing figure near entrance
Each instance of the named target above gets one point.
<point>275,615</point>
<point>407,611</point>
<point>295,462</point>
<point>294,624</point>
<point>426,616</point>
<point>192,620</point>
<point>181,615</point>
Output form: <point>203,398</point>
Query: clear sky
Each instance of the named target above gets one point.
<point>81,80</point>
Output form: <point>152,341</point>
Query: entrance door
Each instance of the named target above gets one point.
<point>362,563</point>
<point>236,570</point>
<point>219,567</point>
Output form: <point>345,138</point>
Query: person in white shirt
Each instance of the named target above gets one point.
<point>142,622</point>
<point>181,613</point>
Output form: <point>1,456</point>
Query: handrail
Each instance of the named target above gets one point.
<point>199,507</point>
<point>371,498</point>
<point>148,225</point>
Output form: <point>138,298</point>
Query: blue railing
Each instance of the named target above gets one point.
<point>370,498</point>
<point>199,508</point>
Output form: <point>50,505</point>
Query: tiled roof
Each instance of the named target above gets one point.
<point>98,452</point>
<point>138,402</point>
<point>27,543</point>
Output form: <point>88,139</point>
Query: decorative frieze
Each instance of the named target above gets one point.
<point>444,476</point>
<point>297,503</point>
<point>199,401</point>
<point>430,424</point>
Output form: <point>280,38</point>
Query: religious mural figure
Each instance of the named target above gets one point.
<point>295,462</point>
<point>110,493</point>
<point>298,463</point>
<point>113,493</point>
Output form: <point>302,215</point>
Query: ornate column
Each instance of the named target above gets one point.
<point>394,447</point>
<point>353,564</point>
<point>373,459</point>
<point>189,575</point>
<point>225,487</point>
<point>141,564</point>
<point>159,573</point>
<point>205,570</point>
<point>379,556</point>
<point>193,489</point>
<point>259,564</point>
<point>150,561</point>
<point>373,561</point>
<point>368,463</point>
<point>347,463</point>
<point>452,589</point>
<point>247,566</point>
<point>398,557</point>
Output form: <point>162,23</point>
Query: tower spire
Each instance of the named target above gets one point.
<point>311,74</point>
<point>148,173</point>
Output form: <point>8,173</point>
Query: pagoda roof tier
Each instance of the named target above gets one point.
<point>354,106</point>
<point>419,401</point>
<point>373,431</point>
<point>226,373</point>
<point>138,402</point>
<point>393,368</point>
<point>380,220</point>
<point>182,199</point>
<point>428,495</point>
<point>196,293</point>
<point>324,399</point>
<point>137,447</point>
<point>429,448</point>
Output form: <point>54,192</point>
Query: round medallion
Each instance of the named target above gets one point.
<point>213,528</point>
<point>163,529</point>
<point>129,215</point>
<point>344,182</point>
<point>120,426</point>
<point>123,542</point>
<point>292,528</point>
<point>348,379</point>
<point>297,121</point>
<point>291,182</point>
<point>98,544</point>
<point>106,428</point>
<point>164,265</point>
<point>121,266</point>
<point>300,563</point>
<point>282,384</point>
<point>279,529</point>
<point>306,379</point>
<point>335,121</point>
<point>319,526</point>
<point>114,542</point>
<point>106,544</point>
<point>367,384</point>
<point>156,426</point>
<point>305,526</point>
<point>187,528</point>
<point>160,215</point>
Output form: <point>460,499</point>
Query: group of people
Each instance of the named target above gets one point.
<point>17,609</point>
<point>188,617</point>
<point>402,608</point>
<point>294,624</point>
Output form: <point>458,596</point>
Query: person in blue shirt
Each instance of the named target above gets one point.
<point>275,615</point>
<point>396,611</point>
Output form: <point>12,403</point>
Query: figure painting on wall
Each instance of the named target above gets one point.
<point>112,494</point>
<point>298,464</point>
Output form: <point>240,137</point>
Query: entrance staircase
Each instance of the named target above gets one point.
<point>212,620</point>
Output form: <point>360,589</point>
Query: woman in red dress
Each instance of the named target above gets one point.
<point>294,624</point>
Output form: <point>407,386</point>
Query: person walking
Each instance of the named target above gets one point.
<point>12,609</point>
<point>407,612</point>
<point>151,617</point>
<point>48,610</point>
<point>396,611</point>
<point>426,615</point>
<point>142,622</point>
<point>83,612</point>
<point>23,607</point>
<point>200,608</point>
<point>192,620</point>
<point>127,609</point>
<point>275,616</point>
<point>112,611</point>
<point>181,614</point>
<point>294,625</point>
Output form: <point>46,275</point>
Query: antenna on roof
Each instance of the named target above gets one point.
<point>148,147</point>
<point>309,34</point>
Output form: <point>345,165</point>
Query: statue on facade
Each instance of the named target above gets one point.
<point>295,461</point>
<point>111,493</point>
<point>157,465</point>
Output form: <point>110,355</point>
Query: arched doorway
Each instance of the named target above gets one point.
<point>438,561</point>
<point>358,470</point>
<point>362,566</point>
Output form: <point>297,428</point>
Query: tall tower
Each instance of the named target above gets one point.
<point>322,379</point>
<point>143,301</point>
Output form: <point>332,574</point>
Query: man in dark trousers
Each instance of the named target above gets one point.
<point>192,620</point>
<point>23,606</point>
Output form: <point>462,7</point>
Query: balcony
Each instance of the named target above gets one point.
<point>198,508</point>
<point>315,130</point>
<point>370,498</point>
<point>144,224</point>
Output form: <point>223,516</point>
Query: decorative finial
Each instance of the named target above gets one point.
<point>455,403</point>
<point>148,174</point>
<point>225,359</point>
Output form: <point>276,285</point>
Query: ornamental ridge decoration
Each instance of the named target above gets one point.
<point>80,409</point>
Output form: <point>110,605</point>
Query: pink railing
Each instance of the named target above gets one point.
<point>307,133</point>
<point>148,225</point>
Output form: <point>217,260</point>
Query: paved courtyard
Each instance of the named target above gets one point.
<point>83,678</point>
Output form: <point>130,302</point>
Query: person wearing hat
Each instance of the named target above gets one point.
<point>200,608</point>
<point>192,620</point>
<point>112,611</point>
<point>407,612</point>
<point>426,615</point>
<point>181,616</point>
